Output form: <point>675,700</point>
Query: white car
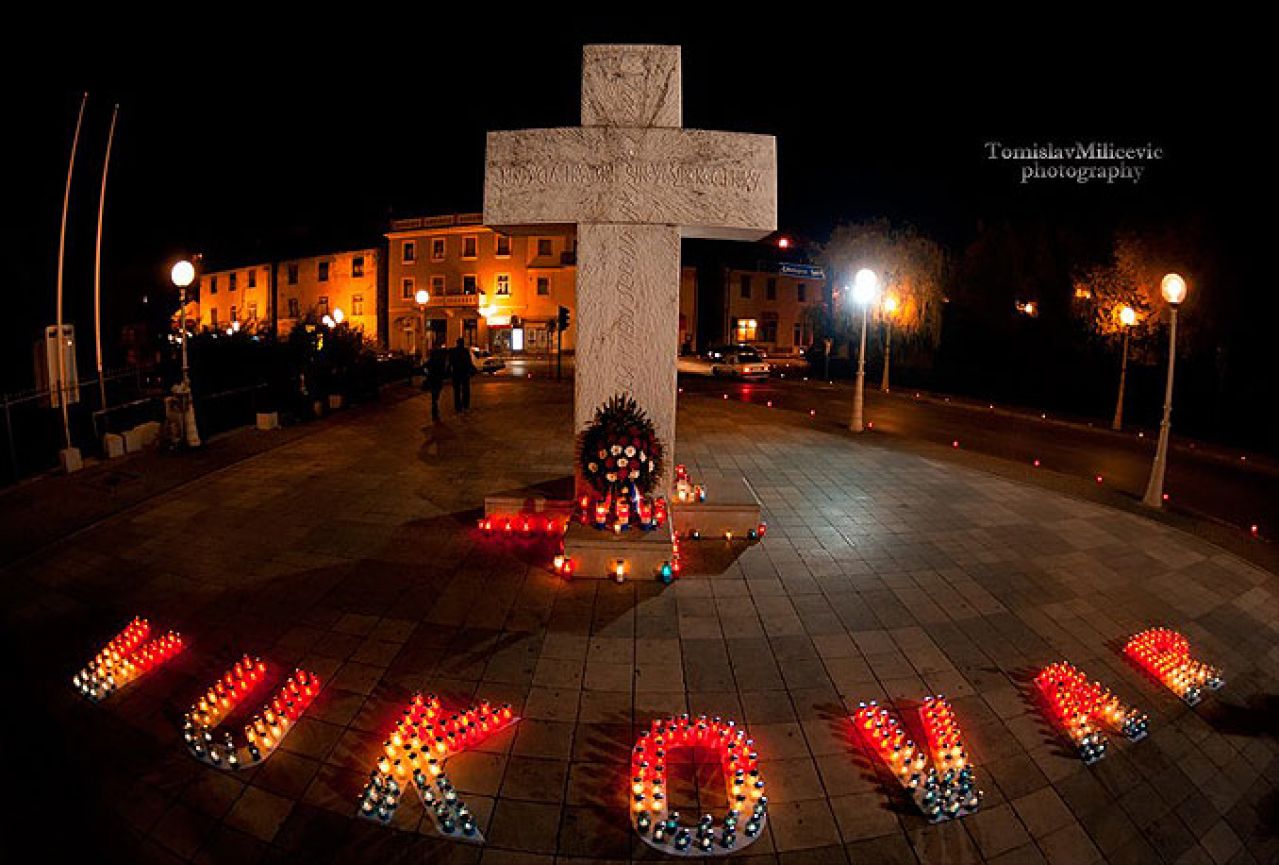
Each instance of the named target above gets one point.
<point>740,363</point>
<point>485,361</point>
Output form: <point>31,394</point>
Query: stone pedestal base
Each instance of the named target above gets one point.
<point>69,459</point>
<point>113,445</point>
<point>538,508</point>
<point>595,553</point>
<point>731,506</point>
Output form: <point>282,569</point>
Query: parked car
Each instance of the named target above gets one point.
<point>485,362</point>
<point>738,361</point>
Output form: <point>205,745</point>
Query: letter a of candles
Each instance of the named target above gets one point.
<point>414,755</point>
<point>126,658</point>
<point>943,791</point>
<point>1079,707</point>
<point>661,828</point>
<point>1165,654</point>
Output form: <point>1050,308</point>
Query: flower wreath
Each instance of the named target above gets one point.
<point>618,452</point>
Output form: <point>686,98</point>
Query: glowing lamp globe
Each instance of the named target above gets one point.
<point>865,285</point>
<point>890,304</point>
<point>422,296</point>
<point>327,321</point>
<point>338,315</point>
<point>1128,316</point>
<point>183,274</point>
<point>1173,288</point>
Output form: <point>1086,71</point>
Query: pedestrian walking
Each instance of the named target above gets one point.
<point>436,370</point>
<point>461,367</point>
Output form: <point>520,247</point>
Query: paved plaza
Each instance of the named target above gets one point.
<point>885,574</point>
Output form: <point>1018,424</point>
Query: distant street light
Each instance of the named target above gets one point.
<point>338,315</point>
<point>422,297</point>
<point>1127,318</point>
<point>183,274</point>
<point>865,287</point>
<point>890,309</point>
<point>1173,288</point>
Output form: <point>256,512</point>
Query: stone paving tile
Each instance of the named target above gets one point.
<point>884,575</point>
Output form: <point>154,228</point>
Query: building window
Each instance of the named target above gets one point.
<point>503,246</point>
<point>293,307</point>
<point>803,335</point>
<point>801,292</point>
<point>504,284</point>
<point>437,286</point>
<point>293,273</point>
<point>324,271</point>
<point>768,331</point>
<point>213,316</point>
<point>410,251</point>
<point>406,288</point>
<point>470,247</point>
<point>745,281</point>
<point>744,329</point>
<point>253,279</point>
<point>469,284</point>
<point>437,249</point>
<point>233,315</point>
<point>357,266</point>
<point>253,310</point>
<point>230,283</point>
<point>770,288</point>
<point>213,285</point>
<point>543,286</point>
<point>357,304</point>
<point>470,330</point>
<point>544,246</point>
<point>323,305</point>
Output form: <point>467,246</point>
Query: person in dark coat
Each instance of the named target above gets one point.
<point>461,367</point>
<point>436,370</point>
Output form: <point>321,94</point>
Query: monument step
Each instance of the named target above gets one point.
<point>731,509</point>
<point>597,553</point>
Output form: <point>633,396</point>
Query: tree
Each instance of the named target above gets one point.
<point>911,269</point>
<point>1117,301</point>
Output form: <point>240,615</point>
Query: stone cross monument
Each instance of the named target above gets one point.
<point>633,182</point>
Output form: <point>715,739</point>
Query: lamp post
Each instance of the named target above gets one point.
<point>183,274</point>
<point>422,297</point>
<point>865,287</point>
<point>1127,318</point>
<point>890,307</point>
<point>1173,288</point>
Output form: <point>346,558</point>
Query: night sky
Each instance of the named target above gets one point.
<point>252,136</point>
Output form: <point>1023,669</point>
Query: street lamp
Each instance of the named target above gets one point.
<point>422,297</point>
<point>1127,318</point>
<point>183,274</point>
<point>865,287</point>
<point>890,308</point>
<point>338,315</point>
<point>1173,288</point>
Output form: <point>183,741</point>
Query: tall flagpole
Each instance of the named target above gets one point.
<point>97,266</point>
<point>62,247</point>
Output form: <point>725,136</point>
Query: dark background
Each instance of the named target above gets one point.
<point>239,136</point>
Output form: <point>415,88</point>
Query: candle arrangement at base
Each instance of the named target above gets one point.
<point>1079,707</point>
<point>127,657</point>
<point>948,794</point>
<point>263,734</point>
<point>414,755</point>
<point>651,816</point>
<point>1165,654</point>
